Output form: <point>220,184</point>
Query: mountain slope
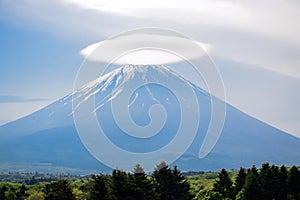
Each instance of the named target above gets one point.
<point>49,135</point>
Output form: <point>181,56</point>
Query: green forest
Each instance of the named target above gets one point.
<point>164,183</point>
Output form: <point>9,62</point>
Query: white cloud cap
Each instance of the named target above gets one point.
<point>148,55</point>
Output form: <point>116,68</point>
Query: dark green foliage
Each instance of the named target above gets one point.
<point>163,178</point>
<point>2,192</point>
<point>181,185</point>
<point>10,194</point>
<point>239,181</point>
<point>293,182</point>
<point>275,182</point>
<point>99,188</point>
<point>252,185</point>
<point>21,194</point>
<point>122,186</point>
<point>133,186</point>
<point>171,184</point>
<point>223,185</point>
<point>269,182</point>
<point>266,182</point>
<point>58,190</point>
<point>144,187</point>
<point>283,174</point>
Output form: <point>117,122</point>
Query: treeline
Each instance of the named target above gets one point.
<point>36,177</point>
<point>266,183</point>
<point>163,183</point>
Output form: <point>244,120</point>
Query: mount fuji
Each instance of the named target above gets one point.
<point>49,136</point>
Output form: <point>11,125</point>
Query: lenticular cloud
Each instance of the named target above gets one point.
<point>148,55</point>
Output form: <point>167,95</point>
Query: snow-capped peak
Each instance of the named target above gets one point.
<point>119,77</point>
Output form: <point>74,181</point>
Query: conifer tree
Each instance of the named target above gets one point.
<point>224,185</point>
<point>171,184</point>
<point>252,186</point>
<point>293,182</point>
<point>266,185</point>
<point>58,190</point>
<point>182,186</point>
<point>163,177</point>
<point>100,188</point>
<point>143,186</point>
<point>122,185</point>
<point>239,181</point>
<point>275,181</point>
<point>283,183</point>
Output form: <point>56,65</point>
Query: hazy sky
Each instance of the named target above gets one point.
<point>256,45</point>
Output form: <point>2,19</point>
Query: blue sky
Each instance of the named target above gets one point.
<point>255,44</point>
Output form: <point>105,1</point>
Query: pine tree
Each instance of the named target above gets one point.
<point>224,185</point>
<point>283,174</point>
<point>164,179</point>
<point>275,181</point>
<point>266,182</point>
<point>239,181</point>
<point>100,188</point>
<point>252,186</point>
<point>143,186</point>
<point>58,190</point>
<point>293,182</point>
<point>171,184</point>
<point>122,185</point>
<point>182,186</point>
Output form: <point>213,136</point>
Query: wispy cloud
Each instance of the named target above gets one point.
<point>258,33</point>
<point>18,99</point>
<point>277,19</point>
